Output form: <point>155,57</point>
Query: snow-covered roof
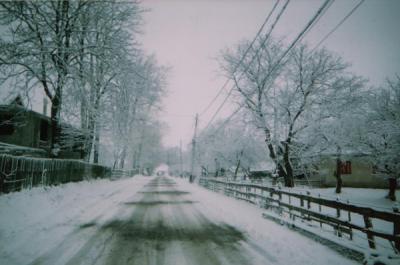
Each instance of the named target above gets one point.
<point>263,166</point>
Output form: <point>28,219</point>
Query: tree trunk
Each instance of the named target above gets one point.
<point>138,154</point>
<point>96,146</point>
<point>280,168</point>
<point>236,169</point>
<point>216,167</point>
<point>91,131</point>
<point>134,158</point>
<point>338,175</point>
<point>122,159</point>
<point>55,128</point>
<point>88,140</point>
<point>239,157</point>
<point>392,189</point>
<point>289,178</point>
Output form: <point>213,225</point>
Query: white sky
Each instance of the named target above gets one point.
<point>189,34</point>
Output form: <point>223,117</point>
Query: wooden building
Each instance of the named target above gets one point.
<point>26,128</point>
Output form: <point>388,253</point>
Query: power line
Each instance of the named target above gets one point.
<point>248,65</point>
<point>219,108</point>
<point>338,25</point>
<point>320,16</point>
<point>321,11</point>
<point>241,60</point>
<point>301,34</point>
<point>266,37</point>
<point>229,118</point>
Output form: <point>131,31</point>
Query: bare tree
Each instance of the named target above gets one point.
<point>106,42</point>
<point>254,80</point>
<point>37,43</point>
<point>232,146</point>
<point>134,100</point>
<point>381,132</point>
<point>287,97</point>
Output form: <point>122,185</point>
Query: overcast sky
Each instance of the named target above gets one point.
<point>188,35</point>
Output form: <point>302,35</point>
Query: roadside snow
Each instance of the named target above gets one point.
<point>27,218</point>
<point>283,245</point>
<point>34,222</point>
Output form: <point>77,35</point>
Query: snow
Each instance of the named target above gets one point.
<point>33,221</point>
<point>267,165</point>
<point>46,220</point>
<point>283,246</point>
<point>374,198</point>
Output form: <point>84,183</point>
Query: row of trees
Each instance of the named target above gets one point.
<point>308,104</point>
<point>86,58</point>
<point>232,146</point>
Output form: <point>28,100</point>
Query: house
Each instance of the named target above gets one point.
<point>262,170</point>
<point>356,171</point>
<point>24,129</point>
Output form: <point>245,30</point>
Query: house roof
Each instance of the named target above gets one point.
<point>264,166</point>
<point>17,107</point>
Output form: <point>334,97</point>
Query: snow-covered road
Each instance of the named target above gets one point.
<point>146,220</point>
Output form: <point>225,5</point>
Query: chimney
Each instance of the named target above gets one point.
<point>45,101</point>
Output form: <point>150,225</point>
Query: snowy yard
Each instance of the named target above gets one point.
<point>370,198</point>
<point>374,198</point>
<point>165,221</point>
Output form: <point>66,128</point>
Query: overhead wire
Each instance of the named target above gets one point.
<point>300,35</point>
<point>318,19</point>
<point>321,11</point>
<point>251,61</point>
<point>338,25</point>
<point>242,58</point>
<point>227,120</point>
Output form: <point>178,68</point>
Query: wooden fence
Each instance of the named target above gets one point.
<point>18,172</point>
<point>339,215</point>
<point>121,173</point>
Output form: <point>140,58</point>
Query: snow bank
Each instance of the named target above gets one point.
<point>33,221</point>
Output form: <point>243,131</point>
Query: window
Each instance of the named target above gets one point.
<point>6,124</point>
<point>44,135</point>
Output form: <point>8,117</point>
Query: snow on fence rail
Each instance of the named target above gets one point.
<point>120,173</point>
<point>343,218</point>
<point>18,173</point>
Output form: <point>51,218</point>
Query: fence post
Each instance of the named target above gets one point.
<point>337,209</point>
<point>301,201</point>
<point>349,218</point>
<point>308,204</point>
<point>1,182</point>
<point>396,230</point>
<point>368,226</point>
<point>319,208</point>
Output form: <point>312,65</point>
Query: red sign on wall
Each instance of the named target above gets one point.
<point>345,168</point>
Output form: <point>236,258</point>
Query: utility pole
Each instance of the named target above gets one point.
<point>180,157</point>
<point>191,178</point>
